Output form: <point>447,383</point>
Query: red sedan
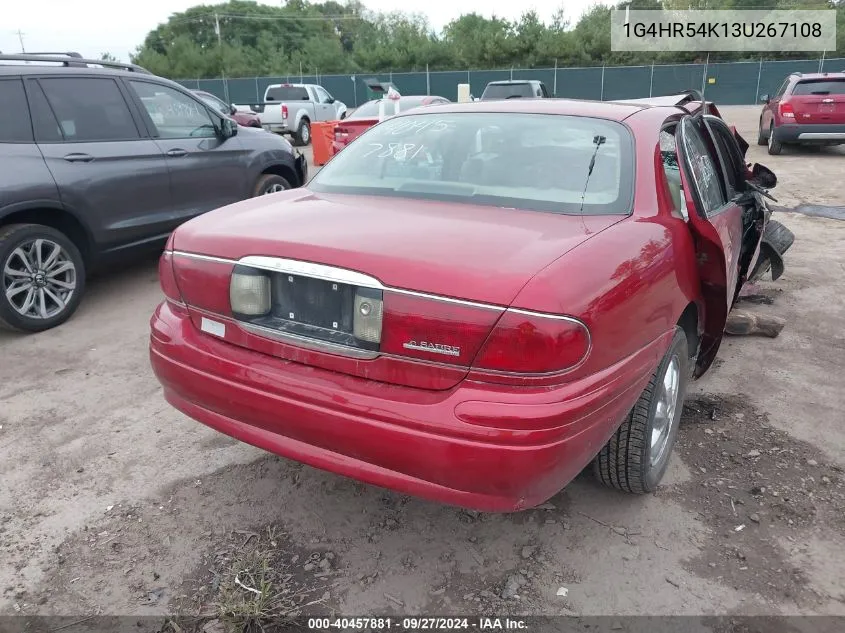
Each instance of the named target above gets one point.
<point>367,115</point>
<point>472,302</point>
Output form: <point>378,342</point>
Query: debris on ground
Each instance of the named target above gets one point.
<point>746,323</point>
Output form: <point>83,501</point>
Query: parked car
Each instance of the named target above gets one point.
<point>515,89</point>
<point>367,115</point>
<point>807,109</point>
<point>498,294</point>
<point>247,119</point>
<point>291,108</point>
<point>101,162</point>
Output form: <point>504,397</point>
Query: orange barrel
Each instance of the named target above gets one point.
<point>322,135</point>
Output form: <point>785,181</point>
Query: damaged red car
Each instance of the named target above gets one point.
<point>472,302</point>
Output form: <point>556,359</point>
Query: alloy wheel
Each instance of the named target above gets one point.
<point>664,414</point>
<point>39,279</point>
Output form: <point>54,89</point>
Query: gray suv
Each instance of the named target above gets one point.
<point>101,160</point>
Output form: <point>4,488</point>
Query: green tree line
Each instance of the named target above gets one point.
<point>241,38</point>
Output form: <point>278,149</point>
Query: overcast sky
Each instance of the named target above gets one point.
<point>119,26</point>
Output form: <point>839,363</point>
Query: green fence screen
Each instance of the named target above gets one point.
<point>733,83</point>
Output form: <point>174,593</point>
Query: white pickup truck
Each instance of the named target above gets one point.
<point>291,108</point>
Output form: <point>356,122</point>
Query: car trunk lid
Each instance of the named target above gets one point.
<point>440,275</point>
<point>819,101</point>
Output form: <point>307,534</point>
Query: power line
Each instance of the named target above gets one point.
<point>20,35</point>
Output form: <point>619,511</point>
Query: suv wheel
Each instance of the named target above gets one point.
<point>303,133</point>
<point>775,146</point>
<point>270,183</point>
<point>42,277</point>
<point>636,457</point>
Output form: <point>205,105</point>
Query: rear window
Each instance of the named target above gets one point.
<point>287,93</point>
<point>370,109</point>
<point>526,161</point>
<point>505,91</point>
<point>820,87</point>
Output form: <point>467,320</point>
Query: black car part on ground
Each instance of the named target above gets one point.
<point>776,241</point>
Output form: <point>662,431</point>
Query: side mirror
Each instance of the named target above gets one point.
<point>232,108</point>
<point>763,176</point>
<point>331,100</point>
<point>764,98</point>
<point>228,128</point>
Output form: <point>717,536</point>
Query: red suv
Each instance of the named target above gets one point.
<point>808,109</point>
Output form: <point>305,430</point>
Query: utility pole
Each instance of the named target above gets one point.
<point>220,50</point>
<point>20,35</point>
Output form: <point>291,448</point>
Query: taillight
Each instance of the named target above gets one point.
<point>167,278</point>
<point>284,111</point>
<point>203,282</point>
<point>434,330</point>
<point>787,111</point>
<point>341,134</point>
<point>529,343</point>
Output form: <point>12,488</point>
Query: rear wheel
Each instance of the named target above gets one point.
<point>761,137</point>
<point>42,278</point>
<point>775,146</point>
<point>303,133</point>
<point>636,457</point>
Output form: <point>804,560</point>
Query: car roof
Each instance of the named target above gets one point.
<point>599,109</point>
<point>505,82</point>
<point>802,76</point>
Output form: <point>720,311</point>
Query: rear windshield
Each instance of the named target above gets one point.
<point>820,87</point>
<point>370,109</point>
<point>526,161</point>
<point>287,93</point>
<point>504,91</point>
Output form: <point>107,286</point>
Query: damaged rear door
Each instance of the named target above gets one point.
<point>716,221</point>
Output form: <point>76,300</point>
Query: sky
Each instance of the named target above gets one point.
<point>92,27</point>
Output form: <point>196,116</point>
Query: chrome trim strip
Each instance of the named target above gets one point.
<point>425,295</point>
<point>207,258</point>
<point>545,315</point>
<point>837,136</point>
<point>307,269</point>
<point>307,343</point>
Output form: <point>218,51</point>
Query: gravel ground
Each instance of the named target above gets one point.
<point>112,502</point>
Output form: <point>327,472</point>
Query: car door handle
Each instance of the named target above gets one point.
<point>177,152</point>
<point>79,158</point>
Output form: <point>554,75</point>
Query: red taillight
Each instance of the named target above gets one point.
<point>528,343</point>
<point>341,134</point>
<point>284,111</point>
<point>434,330</point>
<point>204,283</point>
<point>167,278</point>
<point>787,111</point>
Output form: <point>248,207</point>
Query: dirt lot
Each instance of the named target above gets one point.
<point>112,502</point>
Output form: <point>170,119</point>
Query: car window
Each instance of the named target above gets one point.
<point>89,109</point>
<point>322,95</point>
<point>15,126</point>
<point>545,90</point>
<point>173,113</point>
<point>525,161</point>
<point>782,88</point>
<point>287,93</point>
<point>706,174</point>
<point>213,102</point>
<point>44,122</point>
<point>729,153</point>
<point>504,91</point>
<point>820,87</point>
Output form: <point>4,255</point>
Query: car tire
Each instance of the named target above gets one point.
<point>775,146</point>
<point>270,183</point>
<point>636,456</point>
<point>761,137</point>
<point>302,136</point>
<point>44,299</point>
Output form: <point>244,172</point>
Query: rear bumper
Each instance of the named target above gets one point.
<point>811,133</point>
<point>276,128</point>
<point>481,446</point>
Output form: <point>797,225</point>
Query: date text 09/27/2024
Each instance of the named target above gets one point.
<point>418,623</point>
